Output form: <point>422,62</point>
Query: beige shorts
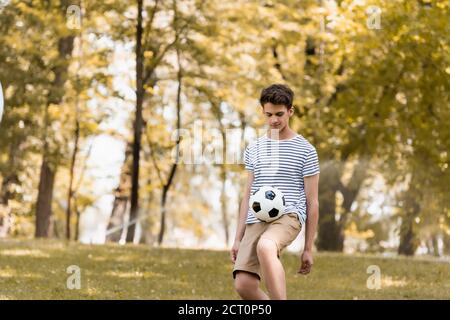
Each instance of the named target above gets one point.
<point>282,231</point>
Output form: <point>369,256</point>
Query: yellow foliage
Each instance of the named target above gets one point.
<point>352,231</point>
<point>148,54</point>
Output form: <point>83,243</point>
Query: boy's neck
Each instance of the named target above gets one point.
<point>284,134</point>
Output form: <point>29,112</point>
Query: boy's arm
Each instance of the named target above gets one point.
<point>312,208</point>
<point>242,216</point>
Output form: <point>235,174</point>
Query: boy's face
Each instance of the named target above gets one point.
<point>277,115</point>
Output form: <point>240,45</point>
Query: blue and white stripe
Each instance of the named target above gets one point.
<point>282,164</point>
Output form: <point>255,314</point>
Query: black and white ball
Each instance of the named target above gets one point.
<point>267,203</point>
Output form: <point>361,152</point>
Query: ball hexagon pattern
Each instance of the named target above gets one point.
<point>267,203</point>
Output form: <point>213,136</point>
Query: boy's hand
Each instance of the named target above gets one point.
<point>307,262</point>
<point>234,250</point>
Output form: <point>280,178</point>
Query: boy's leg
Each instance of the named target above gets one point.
<point>246,269</point>
<point>247,286</point>
<point>279,234</point>
<point>271,268</point>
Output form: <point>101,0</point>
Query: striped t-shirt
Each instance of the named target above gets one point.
<point>282,164</point>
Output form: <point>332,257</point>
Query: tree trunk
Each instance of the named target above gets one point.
<point>70,192</point>
<point>44,201</point>
<point>77,223</point>
<point>435,243</point>
<point>408,237</point>
<point>162,228</point>
<point>134,209</point>
<point>446,240</point>
<point>49,166</point>
<point>223,200</point>
<point>241,184</point>
<point>222,171</point>
<point>72,170</point>
<point>147,236</point>
<point>330,236</point>
<point>223,177</point>
<point>411,210</point>
<point>349,193</point>
<point>163,203</point>
<point>121,200</point>
<point>174,165</point>
<point>117,220</point>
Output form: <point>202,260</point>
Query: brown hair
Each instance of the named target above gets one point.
<point>278,94</point>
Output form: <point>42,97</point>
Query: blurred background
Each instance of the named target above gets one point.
<point>95,93</point>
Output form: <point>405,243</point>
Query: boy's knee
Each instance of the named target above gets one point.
<point>245,283</point>
<point>266,247</point>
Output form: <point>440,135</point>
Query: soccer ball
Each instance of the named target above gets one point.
<point>267,203</point>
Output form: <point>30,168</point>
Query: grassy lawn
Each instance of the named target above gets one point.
<point>31,269</point>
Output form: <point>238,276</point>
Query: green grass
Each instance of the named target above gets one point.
<point>31,269</point>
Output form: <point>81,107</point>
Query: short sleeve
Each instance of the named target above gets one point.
<point>247,160</point>
<point>311,165</point>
